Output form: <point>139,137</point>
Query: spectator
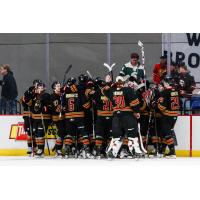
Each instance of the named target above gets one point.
<point>9,91</point>
<point>186,85</point>
<point>133,69</point>
<point>160,70</point>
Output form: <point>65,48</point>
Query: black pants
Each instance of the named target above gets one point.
<point>124,123</point>
<point>167,126</point>
<point>28,125</point>
<point>144,123</point>
<point>39,127</point>
<point>61,129</point>
<point>103,127</point>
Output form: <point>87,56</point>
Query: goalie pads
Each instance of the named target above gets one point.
<point>114,146</point>
<point>133,144</point>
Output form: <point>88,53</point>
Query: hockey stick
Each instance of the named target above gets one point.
<point>46,139</point>
<point>31,130</point>
<point>63,83</point>
<point>110,69</point>
<point>65,74</point>
<point>141,45</point>
<point>140,139</point>
<point>93,131</point>
<point>148,130</point>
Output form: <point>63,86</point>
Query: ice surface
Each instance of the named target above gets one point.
<point>49,161</point>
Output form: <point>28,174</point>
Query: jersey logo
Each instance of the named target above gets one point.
<point>71,95</point>
<point>119,93</point>
<point>174,94</point>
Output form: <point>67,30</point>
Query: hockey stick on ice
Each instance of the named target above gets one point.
<point>110,68</point>
<point>46,139</point>
<point>31,130</point>
<point>140,139</point>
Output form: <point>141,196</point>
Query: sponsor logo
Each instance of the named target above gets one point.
<point>17,132</point>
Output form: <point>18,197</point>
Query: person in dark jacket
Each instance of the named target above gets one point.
<point>9,91</point>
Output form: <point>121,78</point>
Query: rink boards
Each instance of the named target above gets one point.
<point>13,138</point>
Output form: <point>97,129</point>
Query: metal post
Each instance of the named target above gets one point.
<point>168,53</point>
<point>108,48</point>
<point>47,60</point>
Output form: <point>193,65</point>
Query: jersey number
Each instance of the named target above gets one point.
<point>119,101</point>
<point>71,104</point>
<point>107,105</point>
<point>175,103</point>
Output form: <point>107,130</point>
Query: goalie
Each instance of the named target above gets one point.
<point>125,115</point>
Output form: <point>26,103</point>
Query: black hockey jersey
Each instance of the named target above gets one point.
<point>74,102</point>
<point>40,106</point>
<point>56,107</point>
<point>123,99</point>
<point>103,104</point>
<point>169,102</point>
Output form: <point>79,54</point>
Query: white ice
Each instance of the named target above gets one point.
<point>24,160</point>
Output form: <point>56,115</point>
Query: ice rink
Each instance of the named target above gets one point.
<point>53,178</point>
<point>52,161</point>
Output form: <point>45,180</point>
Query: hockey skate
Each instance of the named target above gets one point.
<point>31,151</point>
<point>67,151</point>
<point>153,154</point>
<point>98,154</point>
<point>39,153</point>
<point>171,154</point>
<point>125,154</point>
<point>85,153</point>
<point>59,154</point>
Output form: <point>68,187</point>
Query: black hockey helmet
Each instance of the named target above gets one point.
<point>83,78</point>
<point>41,85</point>
<point>168,79</point>
<point>99,82</point>
<point>36,82</point>
<point>71,81</point>
<point>54,84</point>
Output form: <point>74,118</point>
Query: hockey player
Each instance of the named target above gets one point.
<point>40,109</point>
<point>144,111</point>
<point>57,115</point>
<point>125,115</point>
<point>103,121</point>
<point>169,105</point>
<point>26,101</point>
<point>74,104</point>
<point>84,86</point>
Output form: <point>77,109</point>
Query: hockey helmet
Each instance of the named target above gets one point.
<point>83,78</point>
<point>36,82</point>
<point>71,81</point>
<point>168,79</point>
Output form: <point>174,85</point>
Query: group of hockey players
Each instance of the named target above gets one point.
<point>98,118</point>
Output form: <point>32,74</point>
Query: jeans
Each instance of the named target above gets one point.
<point>8,106</point>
